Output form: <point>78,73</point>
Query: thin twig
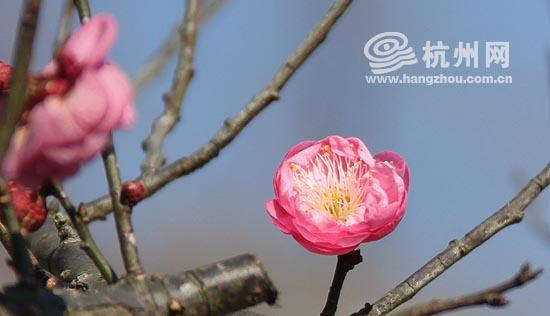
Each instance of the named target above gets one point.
<point>173,99</point>
<point>99,208</point>
<point>5,238</point>
<point>13,110</point>
<point>345,264</point>
<point>123,215</point>
<point>167,49</point>
<point>511,213</point>
<point>87,241</point>
<point>83,9</point>
<point>64,24</point>
<point>22,55</point>
<point>492,297</point>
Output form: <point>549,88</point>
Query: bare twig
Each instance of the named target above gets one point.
<point>123,218</point>
<point>492,297</point>
<point>511,213</point>
<point>22,54</point>
<point>12,112</point>
<point>87,241</point>
<point>168,48</point>
<point>173,99</point>
<point>64,24</point>
<point>345,264</point>
<point>99,208</point>
<point>5,238</point>
<point>123,215</point>
<point>83,9</point>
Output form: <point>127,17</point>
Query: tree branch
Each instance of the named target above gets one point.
<point>345,264</point>
<point>58,250</point>
<point>99,208</point>
<point>216,289</point>
<point>173,100</point>
<point>511,213</point>
<point>123,214</point>
<point>87,241</point>
<point>9,119</point>
<point>63,28</point>
<point>83,8</point>
<point>167,49</point>
<point>492,297</point>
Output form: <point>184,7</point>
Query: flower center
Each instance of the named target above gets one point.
<point>332,183</point>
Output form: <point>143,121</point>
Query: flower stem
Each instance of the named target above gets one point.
<point>345,264</point>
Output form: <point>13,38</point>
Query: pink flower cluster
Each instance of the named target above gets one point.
<point>332,195</point>
<point>87,99</point>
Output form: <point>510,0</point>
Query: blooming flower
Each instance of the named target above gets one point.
<point>332,195</point>
<point>86,98</point>
<point>29,206</point>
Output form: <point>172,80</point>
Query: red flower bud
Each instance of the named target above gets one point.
<point>132,193</point>
<point>5,76</point>
<point>29,206</point>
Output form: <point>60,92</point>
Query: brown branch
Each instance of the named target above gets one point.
<point>492,297</point>
<point>64,24</point>
<point>345,264</point>
<point>511,213</point>
<point>168,48</point>
<point>99,208</point>
<point>216,289</point>
<point>87,240</point>
<point>83,8</point>
<point>123,214</point>
<point>58,250</point>
<point>173,99</point>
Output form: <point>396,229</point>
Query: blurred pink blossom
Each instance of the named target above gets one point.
<point>71,124</point>
<point>332,195</point>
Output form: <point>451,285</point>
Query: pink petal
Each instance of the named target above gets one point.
<point>398,162</point>
<point>89,45</point>
<point>119,95</point>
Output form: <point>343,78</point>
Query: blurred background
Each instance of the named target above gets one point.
<point>469,147</point>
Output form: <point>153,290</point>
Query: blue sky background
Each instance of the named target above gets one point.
<point>466,146</point>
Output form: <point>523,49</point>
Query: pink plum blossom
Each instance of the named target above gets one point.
<point>332,195</point>
<point>72,123</point>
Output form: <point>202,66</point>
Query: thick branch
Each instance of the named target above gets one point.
<point>217,289</point>
<point>58,249</point>
<point>99,208</point>
<point>123,214</point>
<point>173,100</point>
<point>87,241</point>
<point>345,264</point>
<point>511,213</point>
<point>492,297</point>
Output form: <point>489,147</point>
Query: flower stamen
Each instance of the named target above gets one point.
<point>332,183</point>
